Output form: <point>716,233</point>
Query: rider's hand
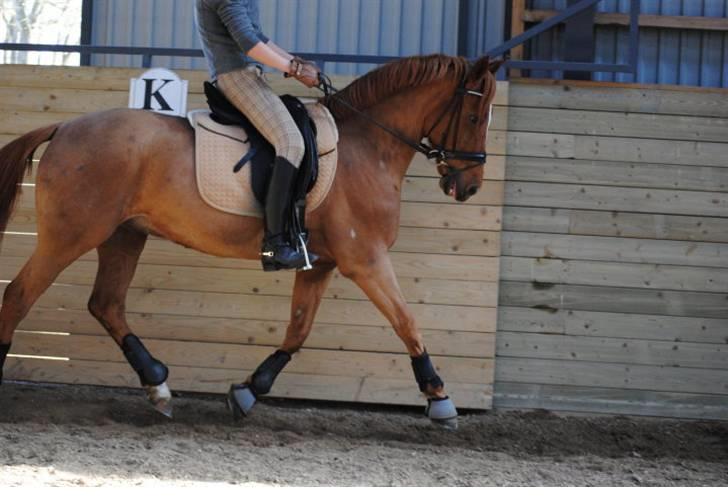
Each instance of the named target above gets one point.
<point>307,72</point>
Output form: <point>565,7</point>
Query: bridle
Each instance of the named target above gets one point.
<point>430,150</point>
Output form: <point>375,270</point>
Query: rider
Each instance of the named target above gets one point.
<point>235,48</point>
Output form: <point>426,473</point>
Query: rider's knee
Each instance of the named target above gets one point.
<point>292,149</point>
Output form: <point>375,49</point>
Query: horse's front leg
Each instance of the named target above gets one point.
<point>308,290</point>
<point>377,279</point>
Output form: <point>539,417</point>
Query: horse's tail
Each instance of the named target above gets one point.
<point>15,159</point>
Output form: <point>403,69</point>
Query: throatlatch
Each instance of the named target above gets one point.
<point>151,371</point>
<point>4,349</point>
<point>425,373</point>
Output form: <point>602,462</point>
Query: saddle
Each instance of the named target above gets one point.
<point>238,185</point>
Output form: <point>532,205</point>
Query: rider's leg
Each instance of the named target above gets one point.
<point>249,92</point>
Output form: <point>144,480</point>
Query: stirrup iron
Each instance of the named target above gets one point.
<point>304,249</point>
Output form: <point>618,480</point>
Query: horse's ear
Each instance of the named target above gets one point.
<point>494,66</point>
<point>480,68</point>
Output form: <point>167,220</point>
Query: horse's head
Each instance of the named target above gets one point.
<point>459,130</point>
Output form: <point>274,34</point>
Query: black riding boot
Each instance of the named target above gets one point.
<point>278,252</point>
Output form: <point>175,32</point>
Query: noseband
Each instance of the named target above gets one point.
<point>431,151</point>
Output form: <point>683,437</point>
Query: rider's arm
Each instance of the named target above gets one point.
<point>241,18</point>
<point>265,54</point>
<point>279,50</point>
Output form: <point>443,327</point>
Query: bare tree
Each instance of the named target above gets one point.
<point>21,19</point>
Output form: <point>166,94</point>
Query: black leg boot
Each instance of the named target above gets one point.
<point>278,252</point>
<point>4,349</point>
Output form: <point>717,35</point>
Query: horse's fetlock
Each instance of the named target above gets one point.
<point>266,373</point>
<point>151,371</point>
<point>427,379</point>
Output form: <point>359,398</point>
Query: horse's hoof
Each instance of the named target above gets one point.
<point>442,412</point>
<point>160,397</point>
<point>448,424</point>
<point>240,400</point>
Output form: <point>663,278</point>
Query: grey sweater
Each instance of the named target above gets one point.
<point>228,30</point>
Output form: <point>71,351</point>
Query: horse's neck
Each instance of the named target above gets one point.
<point>404,114</point>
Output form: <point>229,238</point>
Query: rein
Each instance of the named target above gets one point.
<point>429,150</point>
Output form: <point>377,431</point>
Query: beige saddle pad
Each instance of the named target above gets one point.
<point>219,147</point>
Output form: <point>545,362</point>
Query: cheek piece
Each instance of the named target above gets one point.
<point>4,349</point>
<point>151,371</point>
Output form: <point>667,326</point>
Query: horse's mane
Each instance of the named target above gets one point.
<point>393,78</point>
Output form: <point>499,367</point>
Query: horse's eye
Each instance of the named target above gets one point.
<point>473,119</point>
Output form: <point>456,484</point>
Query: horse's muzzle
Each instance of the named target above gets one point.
<point>449,185</point>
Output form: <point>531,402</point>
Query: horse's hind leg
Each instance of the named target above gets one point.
<point>118,258</point>
<point>307,293</point>
<point>36,276</point>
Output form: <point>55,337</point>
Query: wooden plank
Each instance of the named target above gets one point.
<point>534,144</point>
<point>635,250</point>
<point>73,102</point>
<point>612,401</point>
<point>51,99</point>
<point>274,308</point>
<point>568,94</point>
<point>329,336</point>
<point>464,217</point>
<point>248,357</point>
<point>620,149</point>
<point>257,282</point>
<point>612,350</point>
<point>663,88</point>
<point>621,376</point>
<point>601,273</point>
<point>681,22</point>
<point>632,149</point>
<point>460,242</point>
<point>18,123</point>
<point>618,124</point>
<point>549,296</point>
<point>117,79</point>
<point>615,224</point>
<point>592,197</point>
<point>300,386</point>
<point>615,325</point>
<point>406,264</point>
<point>622,174</point>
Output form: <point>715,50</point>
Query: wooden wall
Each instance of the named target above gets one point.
<point>614,290</point>
<point>213,320</point>
<point>613,262</point>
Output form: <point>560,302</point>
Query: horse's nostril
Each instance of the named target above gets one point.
<point>472,190</point>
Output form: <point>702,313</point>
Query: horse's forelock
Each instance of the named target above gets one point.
<point>394,77</point>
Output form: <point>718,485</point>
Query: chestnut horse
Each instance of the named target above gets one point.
<point>109,179</point>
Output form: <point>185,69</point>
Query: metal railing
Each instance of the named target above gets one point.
<point>568,13</point>
<point>148,53</point>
